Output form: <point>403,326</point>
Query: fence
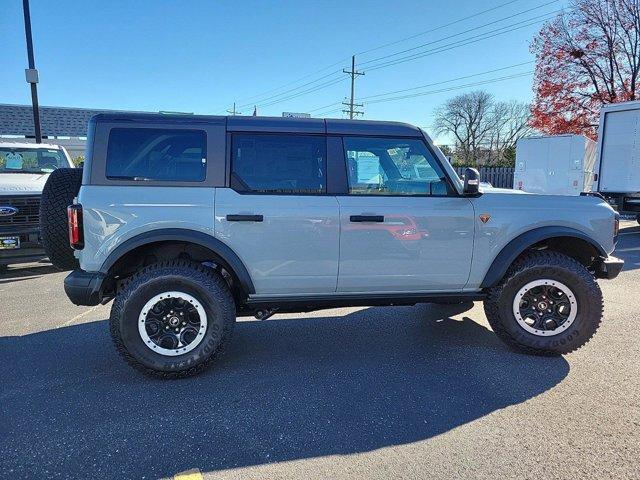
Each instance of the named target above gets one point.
<point>500,177</point>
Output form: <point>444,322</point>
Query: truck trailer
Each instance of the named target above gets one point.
<point>618,157</point>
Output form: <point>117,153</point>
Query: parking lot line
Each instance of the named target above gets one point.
<point>78,317</point>
<point>193,474</point>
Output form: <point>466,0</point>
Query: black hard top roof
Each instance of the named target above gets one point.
<point>269,124</point>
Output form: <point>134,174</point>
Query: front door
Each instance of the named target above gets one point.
<point>403,228</point>
<point>277,216</point>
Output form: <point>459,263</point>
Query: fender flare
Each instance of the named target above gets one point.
<point>515,247</point>
<point>226,254</point>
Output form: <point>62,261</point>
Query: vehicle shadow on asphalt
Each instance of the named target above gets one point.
<point>286,389</point>
<point>18,273</point>
<point>628,247</point>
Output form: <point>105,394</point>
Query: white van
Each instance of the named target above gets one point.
<point>24,169</point>
<point>557,165</point>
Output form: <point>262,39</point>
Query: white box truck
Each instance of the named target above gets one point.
<point>618,159</point>
<point>556,165</point>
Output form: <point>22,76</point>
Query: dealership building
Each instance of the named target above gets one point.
<point>60,125</point>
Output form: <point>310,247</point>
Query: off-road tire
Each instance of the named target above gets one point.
<point>201,282</point>
<point>61,188</point>
<point>498,306</point>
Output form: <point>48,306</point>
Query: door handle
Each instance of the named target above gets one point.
<point>366,218</point>
<point>245,218</point>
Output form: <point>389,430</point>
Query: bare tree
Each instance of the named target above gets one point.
<point>509,123</point>
<point>483,129</point>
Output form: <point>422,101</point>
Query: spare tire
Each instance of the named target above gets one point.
<point>61,188</point>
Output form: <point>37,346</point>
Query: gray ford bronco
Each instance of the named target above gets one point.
<point>187,222</point>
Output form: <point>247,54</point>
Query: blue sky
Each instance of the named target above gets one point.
<point>200,56</point>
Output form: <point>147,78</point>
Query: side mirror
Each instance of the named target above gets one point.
<point>471,181</point>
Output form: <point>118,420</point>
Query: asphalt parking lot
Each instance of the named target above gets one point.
<point>412,392</point>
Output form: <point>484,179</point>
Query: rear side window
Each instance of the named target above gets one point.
<point>279,164</point>
<point>156,155</point>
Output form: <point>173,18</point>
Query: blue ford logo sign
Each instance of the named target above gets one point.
<point>6,211</point>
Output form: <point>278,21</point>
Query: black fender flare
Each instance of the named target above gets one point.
<point>226,254</point>
<point>515,247</point>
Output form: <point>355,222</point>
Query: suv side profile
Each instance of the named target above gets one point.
<point>189,221</point>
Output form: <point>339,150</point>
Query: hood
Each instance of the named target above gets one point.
<point>501,190</point>
<point>22,183</point>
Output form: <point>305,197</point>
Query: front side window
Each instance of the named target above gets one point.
<point>385,166</point>
<point>279,164</point>
<point>150,154</point>
<point>31,160</point>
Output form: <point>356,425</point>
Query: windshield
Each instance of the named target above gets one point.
<point>31,160</point>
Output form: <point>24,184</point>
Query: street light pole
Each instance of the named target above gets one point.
<point>31,73</point>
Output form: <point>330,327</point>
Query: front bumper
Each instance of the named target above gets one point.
<point>609,267</point>
<point>30,250</point>
<point>84,288</point>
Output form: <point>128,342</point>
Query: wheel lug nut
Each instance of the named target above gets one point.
<point>177,330</point>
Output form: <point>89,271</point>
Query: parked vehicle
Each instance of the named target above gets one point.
<point>618,159</point>
<point>556,165</point>
<point>24,169</point>
<point>190,221</point>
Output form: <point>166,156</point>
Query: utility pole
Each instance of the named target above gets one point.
<point>234,112</point>
<point>31,73</point>
<point>351,105</point>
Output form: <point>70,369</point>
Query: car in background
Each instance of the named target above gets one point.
<point>24,169</point>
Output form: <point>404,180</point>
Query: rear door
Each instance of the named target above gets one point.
<point>276,214</point>
<point>403,226</point>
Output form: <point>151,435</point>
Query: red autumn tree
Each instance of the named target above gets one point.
<point>589,55</point>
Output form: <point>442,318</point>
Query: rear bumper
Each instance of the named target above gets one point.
<point>84,288</point>
<point>609,267</point>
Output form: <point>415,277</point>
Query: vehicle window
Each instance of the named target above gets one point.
<point>279,164</point>
<point>31,160</point>
<point>156,154</point>
<point>384,166</point>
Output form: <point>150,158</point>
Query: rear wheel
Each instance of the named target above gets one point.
<point>172,318</point>
<point>547,304</point>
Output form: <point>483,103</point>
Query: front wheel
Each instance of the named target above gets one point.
<point>547,304</point>
<point>172,318</point>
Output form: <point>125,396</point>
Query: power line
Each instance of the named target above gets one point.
<point>465,42</point>
<point>460,33</point>
<point>447,81</point>
<point>304,92</point>
<point>293,82</point>
<point>437,28</point>
<point>457,87</point>
<point>292,89</point>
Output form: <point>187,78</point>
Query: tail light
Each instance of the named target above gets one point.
<point>76,232</point>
